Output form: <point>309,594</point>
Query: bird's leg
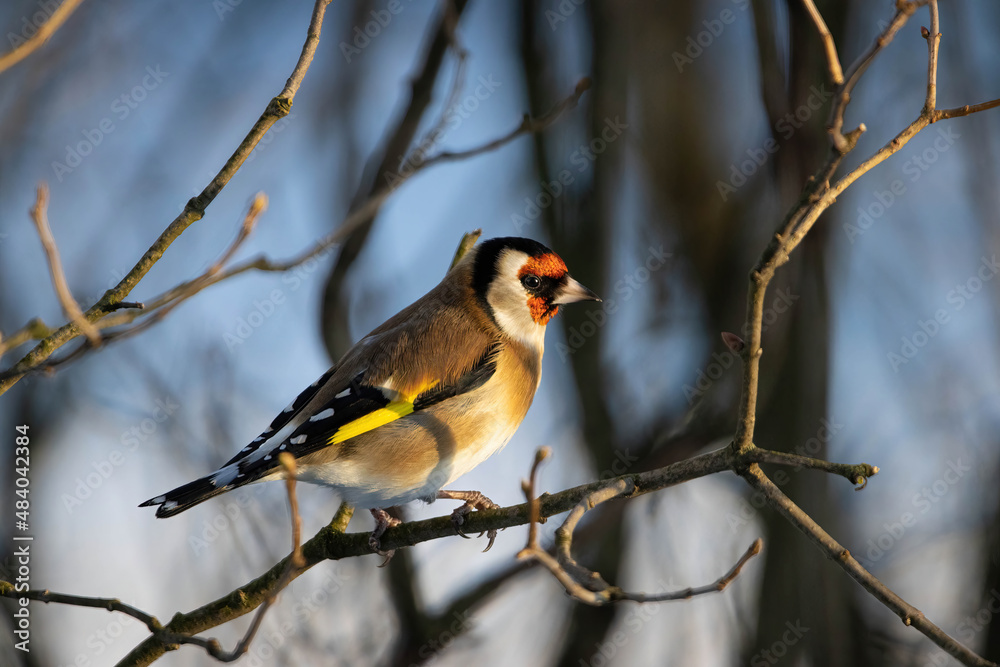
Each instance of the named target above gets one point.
<point>473,500</point>
<point>383,521</point>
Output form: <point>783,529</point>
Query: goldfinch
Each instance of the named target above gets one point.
<point>422,399</point>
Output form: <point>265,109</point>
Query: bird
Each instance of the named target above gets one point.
<point>422,399</point>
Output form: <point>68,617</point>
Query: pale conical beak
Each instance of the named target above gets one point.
<point>572,292</point>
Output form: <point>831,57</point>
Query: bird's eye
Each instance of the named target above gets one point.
<point>531,282</point>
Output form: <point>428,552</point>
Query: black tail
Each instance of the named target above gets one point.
<point>185,497</point>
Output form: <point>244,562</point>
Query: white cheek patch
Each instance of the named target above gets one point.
<point>509,301</point>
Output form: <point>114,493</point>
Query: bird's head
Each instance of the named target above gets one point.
<point>522,283</point>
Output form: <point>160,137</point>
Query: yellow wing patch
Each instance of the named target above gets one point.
<point>371,421</point>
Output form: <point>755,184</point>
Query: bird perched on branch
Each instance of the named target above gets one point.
<point>422,399</point>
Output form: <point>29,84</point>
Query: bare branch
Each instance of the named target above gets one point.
<point>909,614</point>
<point>70,307</point>
<point>835,126</point>
<point>331,543</point>
<point>717,586</point>
<point>193,211</point>
<point>854,473</point>
<point>587,586</point>
<point>829,46</point>
<point>817,196</point>
<point>45,31</point>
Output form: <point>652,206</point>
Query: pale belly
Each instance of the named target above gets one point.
<point>415,456</point>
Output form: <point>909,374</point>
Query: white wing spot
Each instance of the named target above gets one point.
<point>289,407</point>
<point>259,438</point>
<point>325,414</point>
<point>170,504</point>
<point>282,448</point>
<point>267,458</point>
<point>158,500</point>
<point>346,392</point>
<point>297,440</point>
<point>224,476</point>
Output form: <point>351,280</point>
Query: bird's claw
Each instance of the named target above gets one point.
<point>383,521</point>
<point>473,501</point>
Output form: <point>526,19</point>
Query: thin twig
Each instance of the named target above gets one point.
<point>717,586</point>
<point>528,487</point>
<point>39,213</point>
<point>829,46</point>
<point>843,144</point>
<point>854,473</point>
<point>295,563</point>
<point>42,35</point>
<point>528,125</point>
<point>968,109</point>
<point>933,37</point>
<point>257,207</point>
